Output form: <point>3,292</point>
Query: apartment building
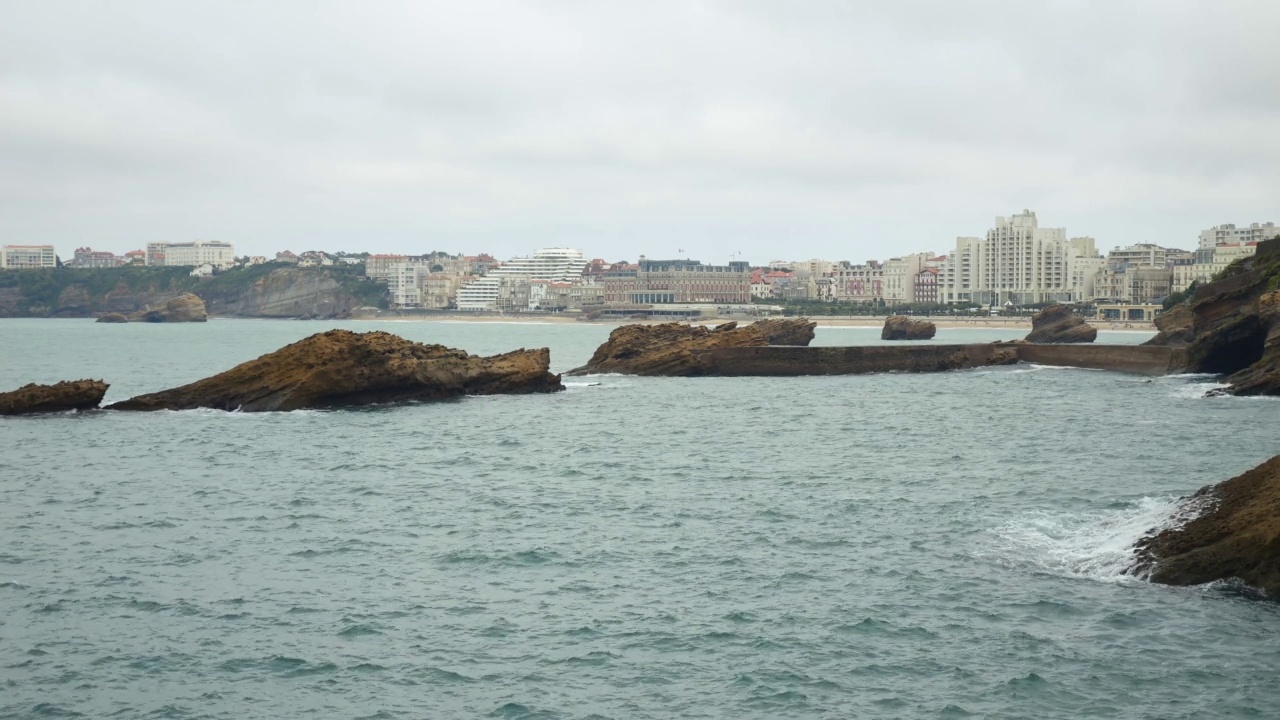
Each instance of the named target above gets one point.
<point>900,275</point>
<point>219,254</point>
<point>86,257</point>
<point>1232,235</point>
<point>1020,262</point>
<point>27,257</point>
<point>856,283</point>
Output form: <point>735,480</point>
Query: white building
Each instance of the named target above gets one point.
<point>900,277</point>
<point>500,283</point>
<point>1019,262</point>
<point>1232,235</point>
<point>27,257</point>
<point>219,254</point>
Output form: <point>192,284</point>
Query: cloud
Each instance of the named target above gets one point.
<point>817,129</point>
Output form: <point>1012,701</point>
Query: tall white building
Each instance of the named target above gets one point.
<point>191,254</point>
<point>27,257</point>
<point>900,277</point>
<point>1018,262</point>
<point>1231,235</point>
<point>554,264</point>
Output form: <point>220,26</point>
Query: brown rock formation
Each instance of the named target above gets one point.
<point>113,318</point>
<point>1232,325</point>
<point>1174,325</point>
<point>184,308</point>
<point>1060,324</point>
<point>341,368</point>
<point>59,397</point>
<point>672,348</point>
<point>778,331</point>
<point>900,327</point>
<point>1237,536</point>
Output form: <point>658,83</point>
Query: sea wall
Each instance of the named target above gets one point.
<point>860,359</point>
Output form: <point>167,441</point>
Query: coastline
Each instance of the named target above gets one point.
<point>874,323</point>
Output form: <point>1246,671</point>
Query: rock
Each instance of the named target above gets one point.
<point>184,308</point>
<point>59,397</point>
<point>1174,326</point>
<point>671,348</point>
<point>365,311</point>
<point>900,327</point>
<point>113,318</point>
<point>1234,536</point>
<point>777,331</point>
<point>340,368</point>
<point>1232,325</point>
<point>1060,324</point>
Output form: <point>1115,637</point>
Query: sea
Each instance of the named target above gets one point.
<point>949,545</point>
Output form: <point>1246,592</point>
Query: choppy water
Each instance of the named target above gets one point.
<point>933,546</point>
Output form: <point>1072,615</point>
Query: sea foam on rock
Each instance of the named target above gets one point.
<point>1235,536</point>
<point>341,368</point>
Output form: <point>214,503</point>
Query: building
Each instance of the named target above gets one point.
<point>1232,235</point>
<point>378,267</point>
<point>925,290</point>
<point>656,282</point>
<point>287,257</point>
<point>900,275</point>
<point>506,287</point>
<point>856,283</point>
<point>135,257</point>
<point>86,257</point>
<point>27,257</point>
<point>219,254</point>
<point>1018,262</point>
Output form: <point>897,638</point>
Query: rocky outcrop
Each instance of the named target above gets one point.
<point>1060,324</point>
<point>1174,326</point>
<point>286,293</point>
<point>113,318</point>
<point>59,397</point>
<point>1232,325</point>
<point>1235,535</point>
<point>900,327</point>
<point>671,348</point>
<point>184,308</point>
<point>778,331</point>
<point>340,368</point>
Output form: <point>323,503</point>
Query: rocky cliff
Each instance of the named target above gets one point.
<point>59,397</point>
<point>1060,324</point>
<point>672,348</point>
<point>1232,325</point>
<point>778,331</point>
<point>898,327</point>
<point>340,368</point>
<point>1235,535</point>
<point>270,290</point>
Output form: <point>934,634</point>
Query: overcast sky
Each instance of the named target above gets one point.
<point>839,130</point>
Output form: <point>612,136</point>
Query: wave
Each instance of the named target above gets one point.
<point>1098,545</point>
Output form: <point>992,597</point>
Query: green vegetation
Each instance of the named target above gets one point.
<point>1180,297</point>
<point>40,290</point>
<point>822,308</point>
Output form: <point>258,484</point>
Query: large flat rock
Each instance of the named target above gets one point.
<point>59,397</point>
<point>341,368</point>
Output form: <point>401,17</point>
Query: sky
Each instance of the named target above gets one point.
<point>741,129</point>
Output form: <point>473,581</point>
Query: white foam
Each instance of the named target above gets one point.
<point>1098,546</point>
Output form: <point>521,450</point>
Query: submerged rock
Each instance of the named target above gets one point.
<point>672,348</point>
<point>900,327</point>
<point>59,397</point>
<point>341,368</point>
<point>113,318</point>
<point>1236,536</point>
<point>1060,324</point>
<point>184,308</point>
<point>778,331</point>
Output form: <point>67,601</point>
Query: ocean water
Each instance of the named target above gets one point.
<point>885,546</point>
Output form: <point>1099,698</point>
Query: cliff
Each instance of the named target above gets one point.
<point>1231,326</point>
<point>270,290</point>
<point>671,348</point>
<point>1237,535</point>
<point>59,397</point>
<point>340,368</point>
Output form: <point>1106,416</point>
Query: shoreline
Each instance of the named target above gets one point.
<point>870,323</point>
